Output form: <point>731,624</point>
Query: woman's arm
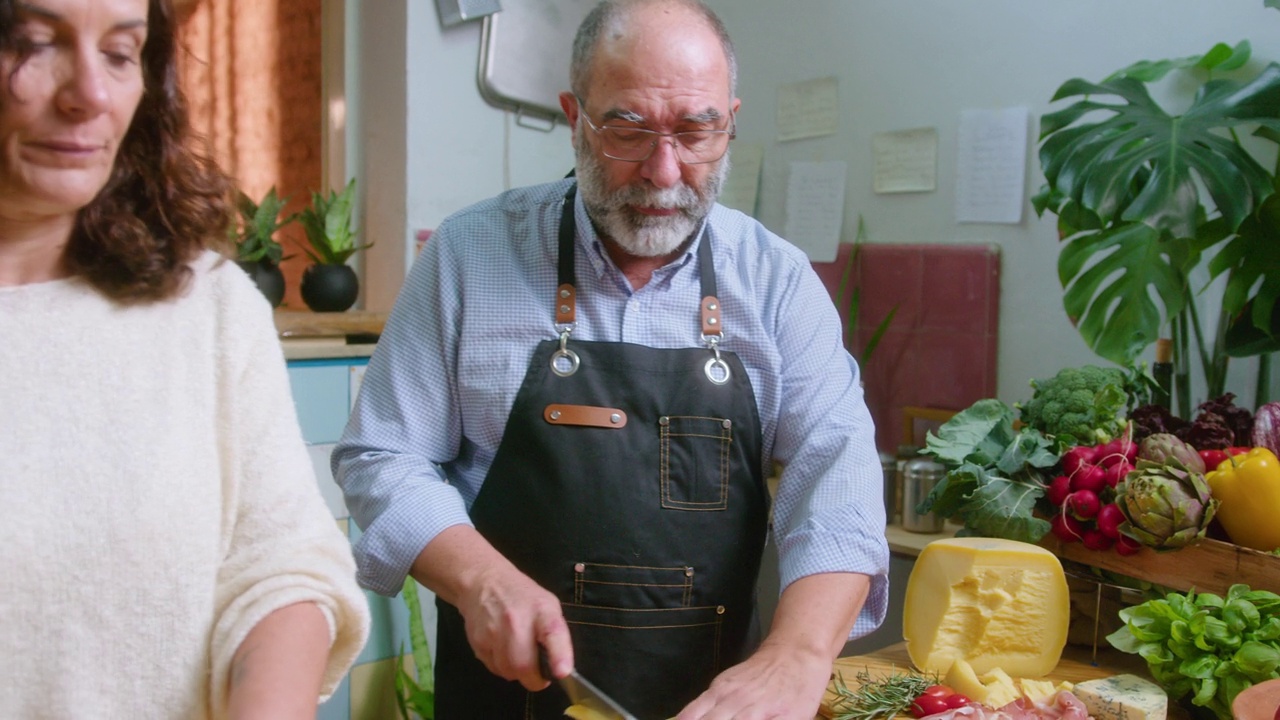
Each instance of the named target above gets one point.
<point>276,671</point>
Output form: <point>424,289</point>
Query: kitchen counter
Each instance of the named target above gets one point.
<point>313,336</point>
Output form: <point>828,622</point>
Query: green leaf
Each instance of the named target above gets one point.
<point>1272,4</point>
<point>1095,162</point>
<point>977,434</point>
<point>953,491</point>
<point>1110,300</point>
<point>1030,447</point>
<point>1004,508</point>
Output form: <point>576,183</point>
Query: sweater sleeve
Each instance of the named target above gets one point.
<point>280,543</point>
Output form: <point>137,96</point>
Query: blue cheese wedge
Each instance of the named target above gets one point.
<point>1123,697</point>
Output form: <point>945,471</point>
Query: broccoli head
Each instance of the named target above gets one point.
<point>1078,406</point>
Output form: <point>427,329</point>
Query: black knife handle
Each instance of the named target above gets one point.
<point>544,664</point>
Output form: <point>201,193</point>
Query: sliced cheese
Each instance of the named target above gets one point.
<point>1038,691</point>
<point>964,680</point>
<point>1001,690</point>
<point>1123,697</point>
<point>995,603</point>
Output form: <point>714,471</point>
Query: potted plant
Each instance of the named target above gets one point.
<point>1145,198</point>
<point>330,285</point>
<point>257,251</point>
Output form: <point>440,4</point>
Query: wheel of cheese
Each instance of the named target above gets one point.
<point>992,602</point>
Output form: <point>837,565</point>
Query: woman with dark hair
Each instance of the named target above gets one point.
<point>168,553</point>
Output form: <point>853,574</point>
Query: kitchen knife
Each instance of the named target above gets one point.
<point>582,692</point>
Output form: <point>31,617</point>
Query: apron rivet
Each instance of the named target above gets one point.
<point>664,421</point>
<point>580,567</point>
<point>688,572</point>
<point>615,418</point>
<point>712,306</point>
<point>564,309</point>
<point>712,321</point>
<point>726,424</point>
<point>555,414</point>
<point>719,609</point>
<point>564,293</point>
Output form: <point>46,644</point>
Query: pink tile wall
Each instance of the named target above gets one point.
<point>940,350</point>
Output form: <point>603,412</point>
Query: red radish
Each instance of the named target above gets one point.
<point>1109,518</point>
<point>1074,457</point>
<point>1116,472</point>
<point>1089,477</point>
<point>1126,545</point>
<point>1058,490</point>
<point>1084,504</point>
<point>1095,540</point>
<point>1066,528</point>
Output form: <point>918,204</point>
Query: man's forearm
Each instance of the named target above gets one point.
<point>277,670</point>
<point>817,612</point>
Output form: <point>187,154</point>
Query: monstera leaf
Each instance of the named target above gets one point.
<point>1252,259</point>
<point>1127,192</point>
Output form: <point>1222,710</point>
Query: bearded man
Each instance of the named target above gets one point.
<point>566,427</point>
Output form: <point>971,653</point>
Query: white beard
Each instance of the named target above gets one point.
<point>636,233</point>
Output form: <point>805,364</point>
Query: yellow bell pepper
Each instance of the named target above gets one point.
<point>1248,488</point>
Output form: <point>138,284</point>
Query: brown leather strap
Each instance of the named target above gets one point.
<point>711,315</point>
<point>585,415</point>
<point>566,304</point>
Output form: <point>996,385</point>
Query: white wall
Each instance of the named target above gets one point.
<point>900,63</point>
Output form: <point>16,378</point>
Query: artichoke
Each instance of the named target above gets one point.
<point>1162,446</point>
<point>1166,506</point>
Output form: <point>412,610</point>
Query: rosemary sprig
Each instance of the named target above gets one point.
<point>878,699</point>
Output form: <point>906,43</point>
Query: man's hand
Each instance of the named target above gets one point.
<point>507,614</point>
<point>776,683</point>
<point>785,678</point>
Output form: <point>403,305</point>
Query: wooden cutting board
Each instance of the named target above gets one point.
<point>894,658</point>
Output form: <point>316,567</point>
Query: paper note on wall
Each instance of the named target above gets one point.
<point>815,208</point>
<point>991,165</point>
<point>906,160</point>
<point>808,109</point>
<point>742,187</point>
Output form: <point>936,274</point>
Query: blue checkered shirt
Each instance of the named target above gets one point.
<point>435,398</point>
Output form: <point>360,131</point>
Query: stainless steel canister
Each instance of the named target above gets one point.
<point>919,475</point>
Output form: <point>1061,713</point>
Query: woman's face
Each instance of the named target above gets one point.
<point>67,101</point>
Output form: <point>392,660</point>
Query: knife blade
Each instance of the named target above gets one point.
<point>582,692</point>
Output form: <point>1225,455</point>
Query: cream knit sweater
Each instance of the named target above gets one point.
<point>157,501</point>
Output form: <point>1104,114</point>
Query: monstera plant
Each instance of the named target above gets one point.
<point>1144,198</point>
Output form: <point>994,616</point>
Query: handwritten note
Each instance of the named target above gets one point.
<point>906,160</point>
<point>815,208</point>
<point>742,187</point>
<point>808,109</point>
<point>992,165</point>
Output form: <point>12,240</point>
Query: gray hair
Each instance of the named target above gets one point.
<point>610,14</point>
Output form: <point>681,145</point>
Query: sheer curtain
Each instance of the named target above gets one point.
<point>251,70</point>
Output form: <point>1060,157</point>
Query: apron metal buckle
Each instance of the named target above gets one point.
<point>716,369</point>
<point>564,362</point>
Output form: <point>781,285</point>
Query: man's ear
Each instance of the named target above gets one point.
<point>569,104</point>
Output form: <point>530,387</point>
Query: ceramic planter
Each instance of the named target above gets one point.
<point>330,288</point>
<point>267,276</point>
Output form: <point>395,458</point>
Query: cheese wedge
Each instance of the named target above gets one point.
<point>992,602</point>
<point>1123,697</point>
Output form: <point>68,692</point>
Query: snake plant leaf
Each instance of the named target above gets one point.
<point>1097,163</point>
<point>1111,299</point>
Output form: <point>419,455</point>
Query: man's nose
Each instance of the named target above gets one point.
<point>662,168</point>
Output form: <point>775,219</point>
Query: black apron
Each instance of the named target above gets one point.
<point>629,482</point>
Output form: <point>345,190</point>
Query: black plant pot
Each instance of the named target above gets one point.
<point>330,288</point>
<point>267,276</point>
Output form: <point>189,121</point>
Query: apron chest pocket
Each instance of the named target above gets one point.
<point>694,462</point>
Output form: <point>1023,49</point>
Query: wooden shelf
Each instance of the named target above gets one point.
<point>296,324</point>
<point>1207,566</point>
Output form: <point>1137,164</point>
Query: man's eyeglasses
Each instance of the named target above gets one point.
<point>632,144</point>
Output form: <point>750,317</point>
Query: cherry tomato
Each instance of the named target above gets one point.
<point>938,691</point>
<point>956,700</point>
<point>928,705</point>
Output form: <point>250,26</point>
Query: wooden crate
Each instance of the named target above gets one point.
<point>1207,566</point>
